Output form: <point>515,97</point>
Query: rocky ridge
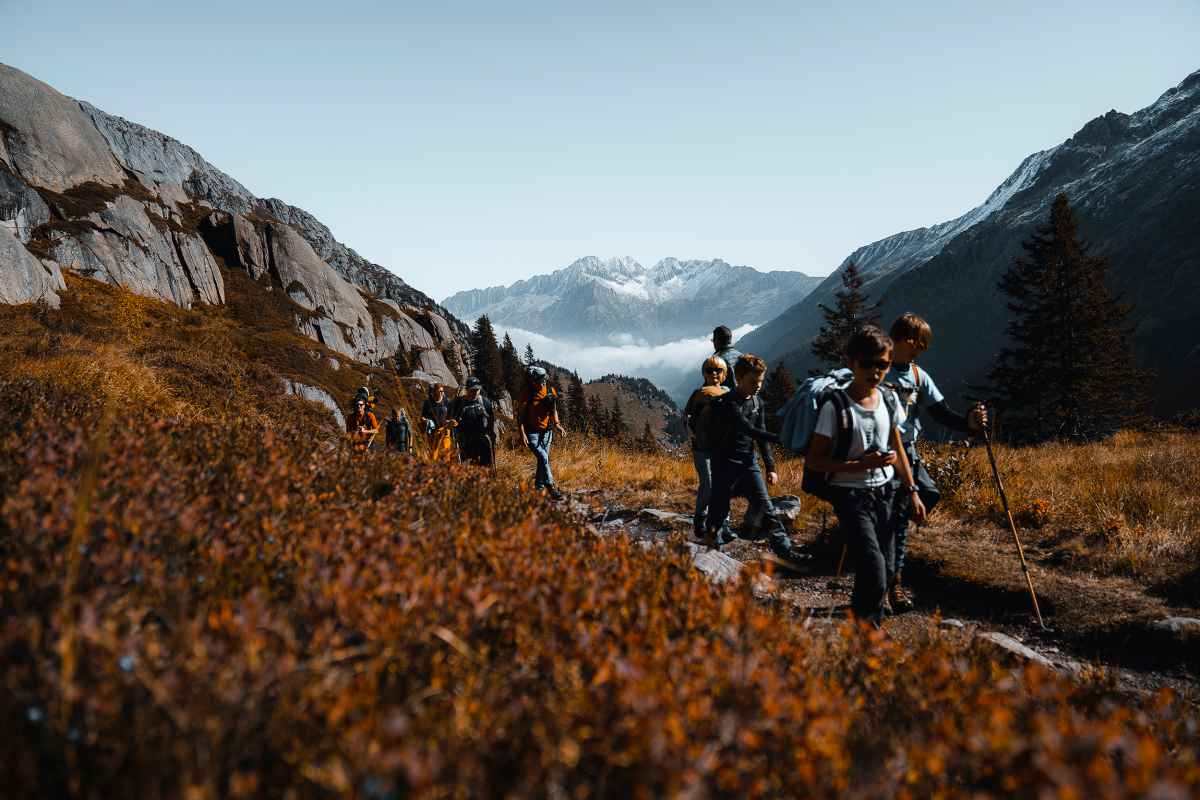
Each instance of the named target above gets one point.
<point>1134,182</point>
<point>89,192</point>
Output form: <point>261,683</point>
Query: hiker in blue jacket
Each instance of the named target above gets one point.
<point>917,392</point>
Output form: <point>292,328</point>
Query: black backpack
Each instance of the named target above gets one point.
<point>817,483</point>
<point>474,417</point>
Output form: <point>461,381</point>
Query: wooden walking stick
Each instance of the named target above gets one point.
<point>1012,526</point>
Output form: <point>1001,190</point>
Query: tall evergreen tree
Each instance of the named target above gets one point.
<point>577,402</point>
<point>618,428</point>
<point>598,419</point>
<point>778,389</point>
<point>852,312</point>
<point>530,359</point>
<point>1068,370</point>
<point>514,371</point>
<point>648,442</point>
<point>485,357</point>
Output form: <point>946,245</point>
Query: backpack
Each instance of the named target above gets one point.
<point>473,418</point>
<point>800,414</point>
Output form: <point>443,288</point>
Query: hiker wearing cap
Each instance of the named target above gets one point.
<point>398,432</point>
<point>917,392</point>
<point>722,340</point>
<point>537,416</point>
<point>435,413</point>
<point>476,425</point>
<point>362,426</point>
<point>697,414</point>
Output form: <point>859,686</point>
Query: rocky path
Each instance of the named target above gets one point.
<point>968,588</point>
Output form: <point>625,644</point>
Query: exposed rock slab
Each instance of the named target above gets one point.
<point>48,141</point>
<point>1003,643</point>
<point>317,395</point>
<point>1183,628</point>
<point>24,278</point>
<point>21,208</point>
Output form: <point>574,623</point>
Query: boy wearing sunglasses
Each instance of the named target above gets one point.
<point>862,491</point>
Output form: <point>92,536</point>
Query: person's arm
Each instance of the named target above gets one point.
<point>764,447</point>
<point>554,417</point>
<point>689,412</point>
<point>748,428</point>
<point>908,482</point>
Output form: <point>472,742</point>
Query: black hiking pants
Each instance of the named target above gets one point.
<point>476,450</point>
<point>865,519</point>
<point>929,496</point>
<point>730,480</point>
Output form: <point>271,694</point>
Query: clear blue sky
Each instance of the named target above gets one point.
<point>473,144</point>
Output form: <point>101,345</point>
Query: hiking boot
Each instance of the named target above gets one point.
<point>712,539</point>
<point>792,560</point>
<point>898,598</point>
<point>555,494</point>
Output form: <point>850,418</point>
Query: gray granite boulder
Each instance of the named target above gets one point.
<point>24,278</point>
<point>1003,644</point>
<point>47,140</point>
<point>316,395</point>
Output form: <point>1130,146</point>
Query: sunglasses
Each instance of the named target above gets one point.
<point>878,363</point>
<point>713,370</point>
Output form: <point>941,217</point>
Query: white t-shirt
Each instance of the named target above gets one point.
<point>867,428</point>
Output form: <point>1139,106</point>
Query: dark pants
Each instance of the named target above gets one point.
<point>865,519</point>
<point>903,513</point>
<point>476,450</point>
<point>730,480</point>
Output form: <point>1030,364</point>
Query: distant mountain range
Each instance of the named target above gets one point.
<point>1134,182</point>
<point>597,301</point>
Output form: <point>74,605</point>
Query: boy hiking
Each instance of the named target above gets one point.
<point>697,415</point>
<point>863,421</point>
<point>476,425</point>
<point>722,340</point>
<point>917,392</point>
<point>398,433</point>
<point>537,416</point>
<point>435,412</point>
<point>738,424</point>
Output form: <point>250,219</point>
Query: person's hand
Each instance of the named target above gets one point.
<point>878,460</point>
<point>918,508</point>
<point>977,418</point>
<point>560,430</point>
<point>772,478</point>
<point>452,423</point>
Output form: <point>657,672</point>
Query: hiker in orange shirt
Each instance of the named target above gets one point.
<point>362,426</point>
<point>537,416</point>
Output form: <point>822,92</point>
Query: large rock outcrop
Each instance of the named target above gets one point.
<point>87,191</point>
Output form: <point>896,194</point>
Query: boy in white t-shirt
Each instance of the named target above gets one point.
<point>862,489</point>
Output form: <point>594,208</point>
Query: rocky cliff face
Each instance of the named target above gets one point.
<point>95,194</point>
<point>1134,181</point>
<point>596,301</point>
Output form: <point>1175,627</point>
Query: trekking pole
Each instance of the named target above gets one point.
<point>1012,526</point>
<point>842,560</point>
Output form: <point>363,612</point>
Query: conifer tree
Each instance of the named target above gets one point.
<point>1068,370</point>
<point>648,442</point>
<point>514,372</point>
<point>778,389</point>
<point>852,312</point>
<point>577,402</point>
<point>530,359</point>
<point>618,428</point>
<point>598,419</point>
<point>485,357</point>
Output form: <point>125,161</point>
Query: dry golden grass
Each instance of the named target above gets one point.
<point>1128,505</point>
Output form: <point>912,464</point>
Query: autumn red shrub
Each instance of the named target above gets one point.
<point>211,609</point>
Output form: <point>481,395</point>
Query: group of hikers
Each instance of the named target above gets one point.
<point>857,428</point>
<point>464,428</point>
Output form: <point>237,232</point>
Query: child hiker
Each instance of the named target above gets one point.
<point>861,488</point>
<point>697,415</point>
<point>917,392</point>
<point>738,423</point>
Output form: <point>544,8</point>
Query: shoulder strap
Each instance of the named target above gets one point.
<point>916,375</point>
<point>841,407</point>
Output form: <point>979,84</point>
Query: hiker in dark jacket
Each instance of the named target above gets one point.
<point>399,432</point>
<point>435,413</point>
<point>697,414</point>
<point>476,429</point>
<point>722,340</point>
<point>739,425</point>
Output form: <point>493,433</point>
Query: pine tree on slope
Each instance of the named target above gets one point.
<point>511,366</point>
<point>485,357</point>
<point>577,402</point>
<point>1068,370</point>
<point>851,313</point>
<point>778,389</point>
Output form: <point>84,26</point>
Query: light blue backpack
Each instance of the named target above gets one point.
<point>799,413</point>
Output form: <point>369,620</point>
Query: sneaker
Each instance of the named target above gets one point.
<point>555,493</point>
<point>792,560</point>
<point>898,598</point>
